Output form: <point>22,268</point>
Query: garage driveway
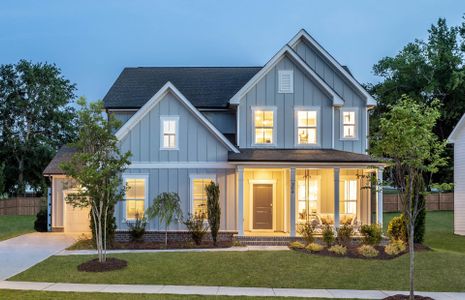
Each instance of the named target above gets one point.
<point>22,252</point>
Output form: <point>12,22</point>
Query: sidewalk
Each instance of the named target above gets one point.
<point>239,249</point>
<point>216,290</point>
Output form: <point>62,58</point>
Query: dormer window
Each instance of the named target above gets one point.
<point>264,125</point>
<point>169,132</point>
<point>349,124</point>
<point>285,81</point>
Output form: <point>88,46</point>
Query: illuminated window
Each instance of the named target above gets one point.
<point>349,129</point>
<point>264,126</point>
<point>135,197</point>
<point>307,127</point>
<point>307,197</point>
<point>199,195</point>
<point>169,136</point>
<point>349,201</point>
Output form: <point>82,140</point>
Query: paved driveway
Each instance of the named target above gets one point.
<point>22,252</point>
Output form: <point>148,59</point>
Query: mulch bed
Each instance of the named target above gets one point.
<point>110,265</point>
<point>406,297</point>
<point>171,245</point>
<point>352,252</point>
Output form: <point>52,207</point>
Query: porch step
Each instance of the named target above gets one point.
<point>266,240</point>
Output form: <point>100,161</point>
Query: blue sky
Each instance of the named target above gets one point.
<point>92,41</point>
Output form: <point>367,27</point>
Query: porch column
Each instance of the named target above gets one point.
<point>292,202</point>
<point>379,203</point>
<point>240,200</point>
<point>336,197</point>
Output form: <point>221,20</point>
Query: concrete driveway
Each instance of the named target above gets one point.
<point>22,252</point>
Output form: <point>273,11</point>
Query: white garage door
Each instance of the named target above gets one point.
<point>76,219</point>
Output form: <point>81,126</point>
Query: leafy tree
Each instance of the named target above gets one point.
<point>213,209</point>
<point>405,136</point>
<point>96,167</point>
<point>166,206</point>
<point>425,71</point>
<point>35,119</point>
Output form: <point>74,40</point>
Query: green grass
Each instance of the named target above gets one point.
<point>442,269</point>
<point>29,295</point>
<point>11,226</point>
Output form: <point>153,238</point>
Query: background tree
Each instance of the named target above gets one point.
<point>424,71</point>
<point>405,136</point>
<point>35,120</point>
<point>96,167</point>
<point>166,207</point>
<point>213,209</point>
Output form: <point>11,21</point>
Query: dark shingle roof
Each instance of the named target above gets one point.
<point>64,154</point>
<point>300,155</point>
<point>204,86</point>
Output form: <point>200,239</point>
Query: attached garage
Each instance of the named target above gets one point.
<point>76,219</point>
<point>457,137</point>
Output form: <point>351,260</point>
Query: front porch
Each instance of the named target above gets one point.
<point>274,200</point>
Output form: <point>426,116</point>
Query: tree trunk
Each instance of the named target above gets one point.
<point>21,187</point>
<point>411,246</point>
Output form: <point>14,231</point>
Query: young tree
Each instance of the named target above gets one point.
<point>213,209</point>
<point>405,136</point>
<point>166,206</point>
<point>96,167</point>
<point>35,120</point>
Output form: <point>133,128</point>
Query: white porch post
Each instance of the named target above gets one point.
<point>336,197</point>
<point>240,200</point>
<point>379,204</point>
<point>292,202</point>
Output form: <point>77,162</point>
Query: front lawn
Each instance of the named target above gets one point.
<point>442,269</point>
<point>11,226</point>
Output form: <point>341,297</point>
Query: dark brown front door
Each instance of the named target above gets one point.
<point>262,206</point>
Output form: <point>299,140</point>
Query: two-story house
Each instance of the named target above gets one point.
<point>286,142</point>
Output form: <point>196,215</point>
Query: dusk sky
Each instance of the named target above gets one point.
<point>92,41</point>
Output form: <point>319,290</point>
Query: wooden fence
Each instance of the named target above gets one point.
<point>435,201</point>
<point>23,206</point>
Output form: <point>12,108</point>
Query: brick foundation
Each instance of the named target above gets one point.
<point>173,236</point>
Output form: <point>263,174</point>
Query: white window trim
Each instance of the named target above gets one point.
<point>318,179</point>
<point>169,118</point>
<point>275,110</point>
<point>344,178</point>
<point>296,126</point>
<point>356,125</point>
<point>283,72</point>
<point>146,191</point>
<point>212,177</point>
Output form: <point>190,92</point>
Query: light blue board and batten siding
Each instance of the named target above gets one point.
<point>178,180</point>
<point>196,142</point>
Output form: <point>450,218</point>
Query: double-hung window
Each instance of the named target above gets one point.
<point>264,125</point>
<point>199,194</point>
<point>349,124</point>
<point>136,196</point>
<point>169,132</point>
<point>349,200</point>
<point>307,127</point>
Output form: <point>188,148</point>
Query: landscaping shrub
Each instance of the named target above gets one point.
<point>397,229</point>
<point>213,209</point>
<point>197,227</point>
<point>137,227</point>
<point>344,234</point>
<point>395,247</point>
<point>40,224</point>
<point>328,235</point>
<point>338,249</point>
<point>296,245</point>
<point>368,251</point>
<point>372,234</point>
<point>306,231</point>
<point>314,247</point>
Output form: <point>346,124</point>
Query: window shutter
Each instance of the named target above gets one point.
<point>285,81</point>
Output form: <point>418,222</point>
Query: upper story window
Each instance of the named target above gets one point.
<point>349,124</point>
<point>169,132</point>
<point>307,126</point>
<point>264,125</point>
<point>135,197</point>
<point>285,81</point>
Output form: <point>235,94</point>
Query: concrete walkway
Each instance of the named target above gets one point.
<point>22,252</point>
<point>217,290</point>
<point>239,249</point>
